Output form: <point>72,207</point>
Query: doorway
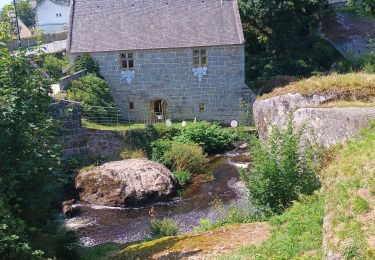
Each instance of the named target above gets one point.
<point>158,110</point>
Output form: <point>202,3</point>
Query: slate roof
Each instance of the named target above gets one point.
<point>112,25</point>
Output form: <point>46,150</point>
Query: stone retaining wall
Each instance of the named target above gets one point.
<point>64,82</point>
<point>82,142</point>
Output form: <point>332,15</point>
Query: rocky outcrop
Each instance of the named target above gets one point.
<point>275,110</point>
<point>326,125</point>
<point>125,183</point>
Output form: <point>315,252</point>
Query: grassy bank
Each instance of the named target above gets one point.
<point>350,86</point>
<point>296,233</point>
<point>349,184</point>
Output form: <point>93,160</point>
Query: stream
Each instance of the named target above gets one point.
<point>99,224</point>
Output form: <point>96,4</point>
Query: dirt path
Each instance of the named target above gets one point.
<point>205,245</point>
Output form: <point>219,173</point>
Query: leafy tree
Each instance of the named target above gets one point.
<point>30,179</point>
<point>26,13</point>
<point>281,37</point>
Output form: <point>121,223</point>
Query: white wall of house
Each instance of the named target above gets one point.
<point>49,19</point>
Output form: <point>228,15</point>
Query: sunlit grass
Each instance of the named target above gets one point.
<point>296,234</point>
<point>350,86</point>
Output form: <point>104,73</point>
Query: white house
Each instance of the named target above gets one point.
<point>52,16</point>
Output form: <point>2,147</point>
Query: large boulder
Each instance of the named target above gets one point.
<point>125,183</point>
<point>275,110</point>
<point>327,125</point>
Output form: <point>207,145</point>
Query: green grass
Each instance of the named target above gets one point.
<point>98,252</point>
<point>360,205</point>
<point>123,127</point>
<point>297,233</point>
<point>114,127</point>
<point>349,182</point>
<point>350,86</point>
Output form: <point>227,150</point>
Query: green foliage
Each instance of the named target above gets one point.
<point>54,66</point>
<point>166,132</point>
<point>30,178</point>
<point>97,252</point>
<point>362,7</point>
<point>86,62</point>
<point>281,38</point>
<point>365,63</point>
<point>163,228</point>
<point>159,148</point>
<point>142,138</point>
<point>183,177</point>
<point>210,136</point>
<point>95,98</point>
<point>26,13</point>
<point>282,169</point>
<point>185,157</point>
<point>296,234</point>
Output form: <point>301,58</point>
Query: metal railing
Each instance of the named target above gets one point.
<point>112,117</point>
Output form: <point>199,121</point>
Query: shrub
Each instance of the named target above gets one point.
<point>86,62</point>
<point>183,177</point>
<point>163,228</point>
<point>159,148</point>
<point>142,139</point>
<point>54,66</point>
<point>283,168</point>
<point>166,132</point>
<point>94,95</point>
<point>184,157</point>
<point>210,136</point>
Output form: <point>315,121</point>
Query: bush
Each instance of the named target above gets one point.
<point>166,132</point>
<point>283,168</point>
<point>159,148</point>
<point>183,177</point>
<point>142,139</point>
<point>184,157</point>
<point>54,66</point>
<point>210,136</point>
<point>163,228</point>
<point>86,62</point>
<point>94,95</point>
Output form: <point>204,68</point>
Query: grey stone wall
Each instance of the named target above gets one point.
<point>64,82</point>
<point>167,74</point>
<point>79,141</point>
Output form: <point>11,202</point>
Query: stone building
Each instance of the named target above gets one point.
<point>164,59</point>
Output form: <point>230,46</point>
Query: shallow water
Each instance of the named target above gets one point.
<point>98,224</point>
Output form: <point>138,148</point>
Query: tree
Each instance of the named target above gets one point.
<point>281,37</point>
<point>26,13</point>
<point>30,179</point>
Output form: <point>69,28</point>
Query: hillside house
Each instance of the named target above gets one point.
<point>52,16</point>
<point>164,59</point>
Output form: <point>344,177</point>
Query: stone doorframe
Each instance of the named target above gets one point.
<point>158,109</point>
